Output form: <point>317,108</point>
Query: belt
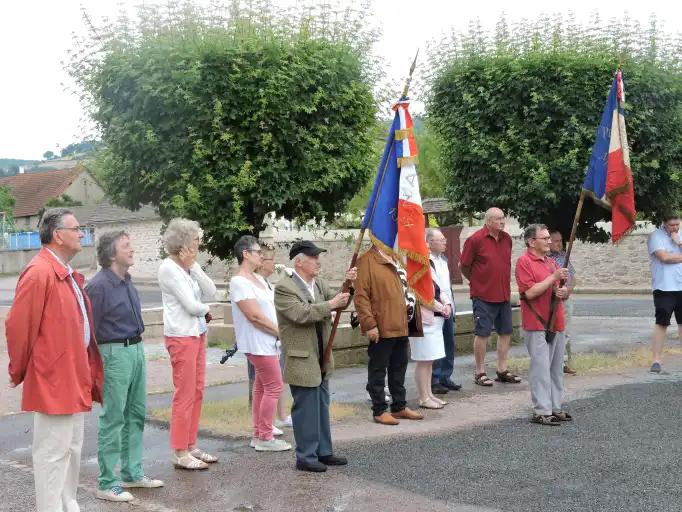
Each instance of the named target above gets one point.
<point>127,341</point>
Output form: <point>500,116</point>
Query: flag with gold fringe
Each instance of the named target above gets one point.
<point>394,215</point>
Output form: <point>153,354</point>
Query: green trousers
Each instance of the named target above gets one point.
<point>121,421</point>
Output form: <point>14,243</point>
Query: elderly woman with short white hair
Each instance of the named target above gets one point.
<point>184,289</point>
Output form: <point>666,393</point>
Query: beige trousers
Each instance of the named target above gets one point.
<point>57,442</point>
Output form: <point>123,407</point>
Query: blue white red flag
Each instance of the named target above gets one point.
<point>394,215</point>
<point>609,177</point>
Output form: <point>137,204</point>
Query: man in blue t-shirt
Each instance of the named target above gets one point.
<point>665,255</point>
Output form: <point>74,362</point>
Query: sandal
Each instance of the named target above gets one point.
<point>548,419</point>
<point>482,379</point>
<point>429,404</point>
<point>188,462</point>
<point>507,376</point>
<point>202,455</point>
<point>562,416</point>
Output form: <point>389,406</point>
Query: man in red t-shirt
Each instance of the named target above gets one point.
<point>486,262</point>
<point>538,276</point>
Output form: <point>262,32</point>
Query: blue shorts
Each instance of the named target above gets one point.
<point>489,315</point>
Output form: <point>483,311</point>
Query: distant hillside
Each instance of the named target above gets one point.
<point>10,166</point>
<point>5,163</point>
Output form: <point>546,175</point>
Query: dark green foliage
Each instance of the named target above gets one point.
<point>225,120</point>
<point>83,147</point>
<point>516,119</point>
<point>7,202</point>
<point>63,200</point>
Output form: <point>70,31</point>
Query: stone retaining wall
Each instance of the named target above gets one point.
<point>350,347</point>
<point>625,265</point>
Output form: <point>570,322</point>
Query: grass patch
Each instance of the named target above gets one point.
<point>219,344</point>
<point>589,362</point>
<point>233,418</point>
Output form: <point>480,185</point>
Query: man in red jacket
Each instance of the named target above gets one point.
<point>53,352</point>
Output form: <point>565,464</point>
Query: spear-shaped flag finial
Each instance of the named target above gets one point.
<point>409,78</point>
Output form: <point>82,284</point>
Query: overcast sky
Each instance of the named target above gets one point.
<point>37,115</point>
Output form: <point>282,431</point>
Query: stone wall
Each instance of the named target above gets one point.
<point>145,237</point>
<point>625,265</point>
<point>601,266</point>
<point>14,262</point>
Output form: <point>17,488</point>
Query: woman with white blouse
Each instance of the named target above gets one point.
<point>255,326</point>
<point>184,290</point>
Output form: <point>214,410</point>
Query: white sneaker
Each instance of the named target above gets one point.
<point>274,445</point>
<point>116,493</point>
<point>145,482</point>
<point>253,442</point>
<point>276,431</point>
<point>284,423</point>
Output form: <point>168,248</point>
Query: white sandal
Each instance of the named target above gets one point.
<point>188,462</point>
<point>203,456</point>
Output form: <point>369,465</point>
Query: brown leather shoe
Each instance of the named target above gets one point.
<point>408,414</point>
<point>385,418</point>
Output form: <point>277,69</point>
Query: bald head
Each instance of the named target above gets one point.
<point>494,220</point>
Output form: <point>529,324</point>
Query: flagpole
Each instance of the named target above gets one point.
<point>358,243</point>
<point>569,247</point>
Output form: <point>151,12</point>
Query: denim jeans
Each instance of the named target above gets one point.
<point>444,367</point>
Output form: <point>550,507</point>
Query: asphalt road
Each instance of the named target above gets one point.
<point>621,454</point>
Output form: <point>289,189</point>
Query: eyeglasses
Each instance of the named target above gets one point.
<point>268,259</point>
<point>77,228</point>
<point>545,238</point>
<point>257,251</point>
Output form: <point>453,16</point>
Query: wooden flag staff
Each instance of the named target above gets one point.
<point>358,243</point>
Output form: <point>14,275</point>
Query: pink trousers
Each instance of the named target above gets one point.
<point>267,388</point>
<point>188,359</point>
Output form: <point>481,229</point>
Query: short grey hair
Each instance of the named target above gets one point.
<point>431,232</point>
<point>245,243</point>
<point>180,233</point>
<point>531,231</point>
<point>106,247</point>
<point>52,220</point>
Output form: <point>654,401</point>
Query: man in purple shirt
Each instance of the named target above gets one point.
<point>117,316</point>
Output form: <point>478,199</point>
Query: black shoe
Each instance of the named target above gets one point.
<point>451,385</point>
<point>333,460</point>
<point>315,466</point>
<point>438,389</point>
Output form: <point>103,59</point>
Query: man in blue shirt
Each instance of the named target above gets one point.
<point>665,256</point>
<point>117,316</point>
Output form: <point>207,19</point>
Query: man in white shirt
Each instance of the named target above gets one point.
<point>441,380</point>
<point>665,256</point>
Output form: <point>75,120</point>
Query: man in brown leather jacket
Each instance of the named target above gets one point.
<point>381,302</point>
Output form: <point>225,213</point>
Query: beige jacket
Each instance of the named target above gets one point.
<point>297,314</point>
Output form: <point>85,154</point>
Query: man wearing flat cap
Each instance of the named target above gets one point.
<point>304,305</point>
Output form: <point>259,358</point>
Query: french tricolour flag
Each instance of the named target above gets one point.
<point>609,177</point>
<point>394,215</point>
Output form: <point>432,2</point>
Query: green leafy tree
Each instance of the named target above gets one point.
<point>516,114</point>
<point>48,155</point>
<point>7,202</point>
<point>225,116</point>
<point>62,201</point>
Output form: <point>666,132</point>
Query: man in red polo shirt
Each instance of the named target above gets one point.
<point>538,276</point>
<point>486,263</point>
